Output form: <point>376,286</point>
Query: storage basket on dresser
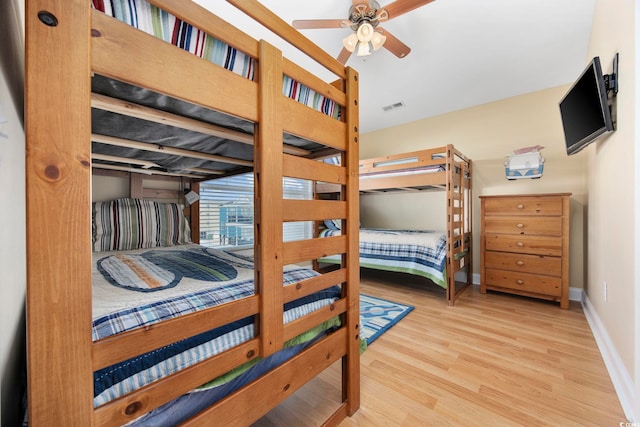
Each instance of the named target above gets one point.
<point>524,245</point>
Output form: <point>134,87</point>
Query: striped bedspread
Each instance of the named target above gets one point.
<point>119,305</point>
<point>421,253</point>
<point>144,16</point>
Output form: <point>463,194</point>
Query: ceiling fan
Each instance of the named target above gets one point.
<point>364,19</point>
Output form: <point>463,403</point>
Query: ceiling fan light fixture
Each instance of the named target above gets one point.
<point>378,40</point>
<point>365,32</point>
<point>350,42</point>
<point>363,49</point>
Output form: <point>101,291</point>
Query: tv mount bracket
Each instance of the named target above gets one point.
<point>611,80</point>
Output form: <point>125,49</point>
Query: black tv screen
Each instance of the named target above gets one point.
<point>585,110</point>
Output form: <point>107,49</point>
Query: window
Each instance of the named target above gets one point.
<point>226,211</point>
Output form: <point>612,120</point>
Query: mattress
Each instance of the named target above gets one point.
<point>421,253</point>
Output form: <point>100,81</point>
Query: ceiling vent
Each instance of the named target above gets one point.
<point>393,106</point>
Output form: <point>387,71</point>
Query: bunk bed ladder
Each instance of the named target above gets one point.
<point>450,194</point>
<point>458,189</point>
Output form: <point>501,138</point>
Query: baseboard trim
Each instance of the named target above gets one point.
<point>575,294</point>
<point>622,381</point>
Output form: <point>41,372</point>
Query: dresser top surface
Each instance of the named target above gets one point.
<point>527,195</point>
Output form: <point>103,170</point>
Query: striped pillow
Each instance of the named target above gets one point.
<point>124,224</point>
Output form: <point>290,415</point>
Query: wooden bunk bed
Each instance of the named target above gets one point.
<point>75,52</point>
<point>434,255</point>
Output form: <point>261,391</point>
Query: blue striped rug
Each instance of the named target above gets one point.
<point>378,315</point>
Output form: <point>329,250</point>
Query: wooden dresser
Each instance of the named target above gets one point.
<point>524,245</point>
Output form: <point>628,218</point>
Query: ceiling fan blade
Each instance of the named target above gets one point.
<point>343,56</point>
<point>393,45</point>
<point>304,24</point>
<point>357,2</point>
<point>400,7</point>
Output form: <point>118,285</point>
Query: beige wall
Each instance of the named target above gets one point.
<point>612,191</point>
<point>486,134</point>
<point>12,216</point>
<point>104,188</point>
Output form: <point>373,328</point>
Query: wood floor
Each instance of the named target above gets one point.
<point>492,360</point>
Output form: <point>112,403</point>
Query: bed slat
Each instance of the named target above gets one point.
<point>309,210</point>
<point>145,146</point>
<point>314,284</point>
<point>303,324</point>
<point>308,123</point>
<point>119,106</point>
<point>304,250</point>
<point>417,180</point>
<point>297,167</point>
<point>138,341</point>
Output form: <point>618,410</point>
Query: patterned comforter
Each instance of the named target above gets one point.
<point>421,253</point>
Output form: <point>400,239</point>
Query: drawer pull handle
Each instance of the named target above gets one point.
<point>520,225</point>
<point>520,282</point>
<point>520,206</point>
<point>520,244</point>
<point>520,263</point>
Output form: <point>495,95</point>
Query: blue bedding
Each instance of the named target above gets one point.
<point>421,253</point>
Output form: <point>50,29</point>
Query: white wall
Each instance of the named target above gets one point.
<point>612,218</point>
<point>12,214</point>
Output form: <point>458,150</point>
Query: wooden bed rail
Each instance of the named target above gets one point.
<point>222,30</point>
<point>261,14</point>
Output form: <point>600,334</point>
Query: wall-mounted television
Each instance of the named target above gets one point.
<point>585,109</point>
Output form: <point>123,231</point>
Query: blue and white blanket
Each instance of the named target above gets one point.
<point>120,305</point>
<point>421,253</point>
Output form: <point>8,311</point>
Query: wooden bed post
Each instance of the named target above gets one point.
<point>351,366</point>
<point>469,220</point>
<point>58,186</point>
<point>268,200</point>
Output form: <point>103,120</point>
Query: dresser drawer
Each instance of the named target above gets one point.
<point>538,206</point>
<point>525,282</point>
<point>549,265</point>
<point>538,245</point>
<point>541,225</point>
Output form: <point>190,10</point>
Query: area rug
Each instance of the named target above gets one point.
<point>378,315</point>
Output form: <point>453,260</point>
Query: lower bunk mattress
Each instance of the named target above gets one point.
<point>137,288</point>
<point>421,253</point>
